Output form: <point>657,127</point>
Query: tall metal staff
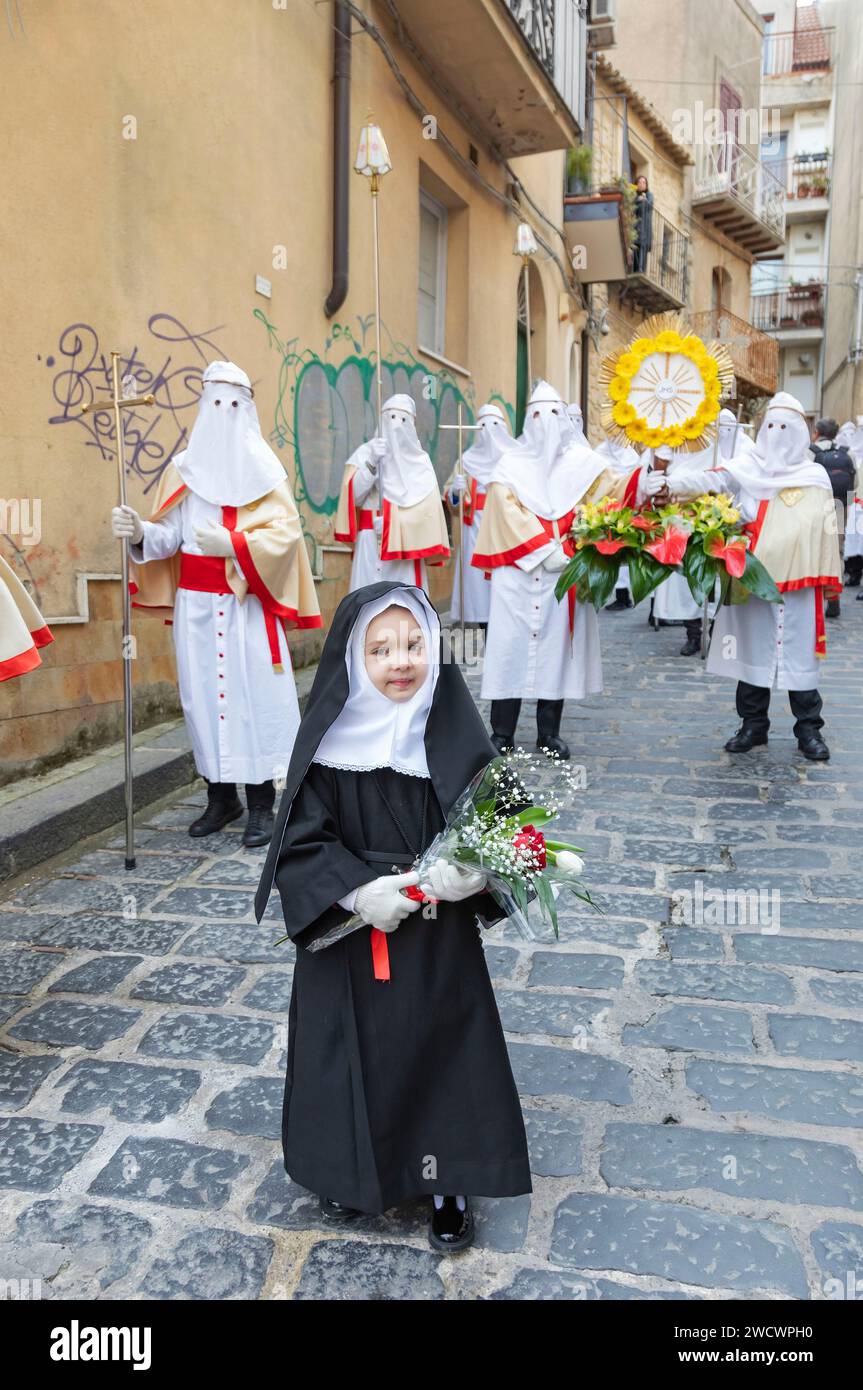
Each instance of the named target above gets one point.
<point>705,613</point>
<point>460,427</point>
<point>373,161</point>
<point>526,246</point>
<point>118,403</point>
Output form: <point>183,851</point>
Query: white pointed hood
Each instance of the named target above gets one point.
<point>227,460</point>
<point>781,458</point>
<point>406,473</point>
<point>491,442</point>
<point>548,473</point>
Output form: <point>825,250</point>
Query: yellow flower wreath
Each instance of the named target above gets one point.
<point>625,415</point>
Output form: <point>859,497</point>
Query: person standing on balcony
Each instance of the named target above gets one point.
<point>835,458</point>
<point>393,538</point>
<point>643,223</point>
<point>786,498</point>
<point>538,648</point>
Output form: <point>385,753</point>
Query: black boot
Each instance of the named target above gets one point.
<point>223,806</point>
<point>745,738</point>
<point>806,707</point>
<point>832,608</point>
<point>854,571</point>
<point>261,797</point>
<point>450,1228</point>
<point>504,722</point>
<point>692,645</point>
<point>548,717</point>
<point>622,599</point>
<point>753,702</point>
<point>335,1211</point>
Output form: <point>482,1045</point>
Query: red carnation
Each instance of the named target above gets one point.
<point>532,840</point>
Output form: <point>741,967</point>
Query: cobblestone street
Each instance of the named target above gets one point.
<point>691,1084</point>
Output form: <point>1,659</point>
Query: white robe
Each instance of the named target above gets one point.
<point>367,566</point>
<point>242,716</point>
<point>477,589</point>
<point>528,651</point>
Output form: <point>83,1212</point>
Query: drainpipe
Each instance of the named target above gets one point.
<point>341,155</point>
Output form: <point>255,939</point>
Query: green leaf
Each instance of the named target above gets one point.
<point>756,579</point>
<point>602,573</point>
<point>700,570</point>
<point>645,574</point>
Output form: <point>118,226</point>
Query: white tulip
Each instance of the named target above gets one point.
<point>572,863</point>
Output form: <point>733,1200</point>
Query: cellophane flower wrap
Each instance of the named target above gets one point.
<point>497,826</point>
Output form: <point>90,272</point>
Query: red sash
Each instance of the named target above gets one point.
<point>563,524</point>
<point>205,574</point>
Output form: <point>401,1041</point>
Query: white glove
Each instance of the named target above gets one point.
<point>125,521</point>
<point>451,882</point>
<point>654,482</point>
<point>557,560</point>
<point>381,902</point>
<point>377,450</point>
<point>213,539</point>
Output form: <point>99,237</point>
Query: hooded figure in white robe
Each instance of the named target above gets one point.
<point>224,548</point>
<point>393,537</point>
<point>536,647</point>
<point>787,499</point>
<point>491,441</point>
<point>851,436</point>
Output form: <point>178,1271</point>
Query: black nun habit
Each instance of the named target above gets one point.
<point>402,1087</point>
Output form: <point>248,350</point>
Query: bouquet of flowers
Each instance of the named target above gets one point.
<point>496,826</point>
<point>607,534</point>
<point>718,548</point>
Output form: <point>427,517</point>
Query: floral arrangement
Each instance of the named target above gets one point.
<point>496,825</point>
<point>718,548</point>
<point>666,387</point>
<point>606,535</point>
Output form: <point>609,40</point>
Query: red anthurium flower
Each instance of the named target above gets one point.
<point>670,548</point>
<point>611,505</point>
<point>643,523</point>
<point>734,556</point>
<point>532,839</point>
<point>609,547</point>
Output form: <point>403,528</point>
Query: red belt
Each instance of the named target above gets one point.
<point>563,524</point>
<point>474,503</point>
<point>206,574</point>
<point>367,518</point>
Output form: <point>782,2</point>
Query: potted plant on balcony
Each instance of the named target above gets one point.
<point>803,189</point>
<point>579,162</point>
<point>812,318</point>
<point>820,185</point>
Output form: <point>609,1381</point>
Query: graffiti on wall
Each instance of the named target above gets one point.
<point>326,405</point>
<point>168,364</point>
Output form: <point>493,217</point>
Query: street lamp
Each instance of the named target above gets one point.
<point>526,246</point>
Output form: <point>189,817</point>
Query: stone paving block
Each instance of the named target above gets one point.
<point>740,983</point>
<point>744,812</point>
<point>21,1077</point>
<point>21,970</point>
<point>819,953</point>
<point>249,945</point>
<point>575,970</point>
<point>36,1154</point>
<point>170,1172</point>
<point>211,1264</point>
<point>600,873</point>
<point>243,872</point>
<point>96,933</point>
<point>369,1271</point>
<point>554,1143</point>
<point>706,788</point>
<point>209,1037</point>
<point>188,983</point>
<point>700,855</point>
<point>212,904</point>
<point>676,1158</point>
<point>798,857</point>
<point>676,1242</point>
<point>821,1039</point>
<point>501,960</point>
<point>64,1023</point>
<point>619,936</point>
<point>682,1027</point>
<point>838,1249</point>
<point>90,1246</point>
<point>557,1015</point>
<point>535,1284</point>
<point>98,976</point>
<point>843,993</point>
<point>567,1071</point>
<point>837,886</point>
<point>92,894</point>
<point>131,1092</point>
<point>252,1106</point>
<point>808,833</point>
<point>17,924</point>
<point>8,1007</point>
<point>693,943</point>
<point>272,992</point>
<point>804,1097</point>
<point>155,868</point>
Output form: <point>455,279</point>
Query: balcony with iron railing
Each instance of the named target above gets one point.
<point>658,265</point>
<point>739,195</point>
<point>803,50</point>
<point>754,354</point>
<point>795,313</point>
<point>806,180</point>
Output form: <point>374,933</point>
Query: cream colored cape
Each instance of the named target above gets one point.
<point>795,538</point>
<point>509,530</point>
<point>23,630</point>
<point>409,533</point>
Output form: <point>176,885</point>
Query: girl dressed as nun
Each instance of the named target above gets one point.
<point>398,1081</point>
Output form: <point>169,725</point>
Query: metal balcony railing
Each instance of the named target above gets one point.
<point>725,167</point>
<point>754,354</point>
<point>803,50</point>
<point>665,260</point>
<point>535,19</point>
<point>804,176</point>
<point>795,306</point>
<point>556,32</point>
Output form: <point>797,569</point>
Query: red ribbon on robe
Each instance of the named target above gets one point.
<point>563,524</point>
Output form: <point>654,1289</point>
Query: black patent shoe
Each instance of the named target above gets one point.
<point>449,1228</point>
<point>336,1211</point>
<point>743,740</point>
<point>814,748</point>
<point>691,647</point>
<point>553,744</point>
<point>217,815</point>
<point>503,742</point>
<point>259,826</point>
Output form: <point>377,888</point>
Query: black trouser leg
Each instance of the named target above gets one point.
<point>854,569</point>
<point>806,707</point>
<point>548,716</point>
<point>261,794</point>
<point>220,792</point>
<point>504,717</point>
<point>753,702</point>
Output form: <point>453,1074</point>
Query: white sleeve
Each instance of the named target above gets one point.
<point>347,902</point>
<point>364,481</point>
<point>694,481</point>
<point>529,562</point>
<point>161,538</point>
